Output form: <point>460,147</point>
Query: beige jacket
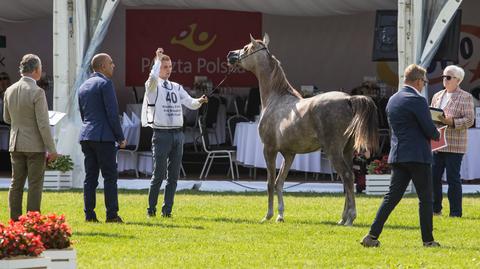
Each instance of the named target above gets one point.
<point>25,109</point>
<point>460,108</point>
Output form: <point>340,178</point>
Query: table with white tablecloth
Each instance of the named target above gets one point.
<point>470,164</point>
<point>250,152</point>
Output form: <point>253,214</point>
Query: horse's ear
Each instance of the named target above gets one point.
<point>266,39</point>
<point>252,39</point>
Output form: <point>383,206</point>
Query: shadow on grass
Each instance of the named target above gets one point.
<point>361,225</point>
<point>165,225</point>
<point>101,234</point>
<point>226,220</point>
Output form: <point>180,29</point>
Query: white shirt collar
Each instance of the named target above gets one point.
<point>30,78</point>
<point>416,91</point>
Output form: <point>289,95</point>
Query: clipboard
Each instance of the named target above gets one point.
<point>55,116</point>
<point>436,113</point>
<point>442,142</point>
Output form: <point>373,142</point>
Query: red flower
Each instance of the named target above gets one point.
<point>379,166</point>
<point>52,229</point>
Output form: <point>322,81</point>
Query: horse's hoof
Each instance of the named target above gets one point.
<point>280,219</point>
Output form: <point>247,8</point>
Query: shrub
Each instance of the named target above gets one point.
<point>54,232</point>
<point>63,163</point>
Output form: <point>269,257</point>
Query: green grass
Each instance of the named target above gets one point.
<point>212,230</point>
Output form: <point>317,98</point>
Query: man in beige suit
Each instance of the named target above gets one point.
<point>25,109</point>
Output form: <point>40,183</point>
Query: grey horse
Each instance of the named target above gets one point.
<point>334,121</point>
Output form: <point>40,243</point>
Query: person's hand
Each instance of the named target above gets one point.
<point>159,54</point>
<point>446,120</point>
<point>52,156</point>
<point>203,99</point>
<point>123,144</point>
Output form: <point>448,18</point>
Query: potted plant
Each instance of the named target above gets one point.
<point>55,234</point>
<point>20,248</point>
<point>378,177</point>
<point>58,174</point>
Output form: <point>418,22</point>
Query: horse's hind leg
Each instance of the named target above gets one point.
<point>270,158</point>
<point>282,175</point>
<point>343,165</point>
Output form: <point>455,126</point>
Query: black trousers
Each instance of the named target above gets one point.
<point>402,173</point>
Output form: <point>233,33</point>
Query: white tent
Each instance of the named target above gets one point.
<point>80,26</point>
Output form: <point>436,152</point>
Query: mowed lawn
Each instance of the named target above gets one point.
<point>222,230</point>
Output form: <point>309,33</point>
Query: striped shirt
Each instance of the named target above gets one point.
<point>460,108</point>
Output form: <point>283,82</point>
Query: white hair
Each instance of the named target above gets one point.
<point>456,71</point>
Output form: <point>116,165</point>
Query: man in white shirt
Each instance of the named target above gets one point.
<point>162,111</point>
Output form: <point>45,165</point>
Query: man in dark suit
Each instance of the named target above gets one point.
<point>410,155</point>
<point>100,130</point>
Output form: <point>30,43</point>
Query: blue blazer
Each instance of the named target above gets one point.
<point>99,110</point>
<point>412,127</point>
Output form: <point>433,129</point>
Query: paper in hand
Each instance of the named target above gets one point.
<point>55,116</point>
<point>442,142</point>
<point>436,114</point>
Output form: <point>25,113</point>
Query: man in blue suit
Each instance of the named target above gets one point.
<point>410,155</point>
<point>100,130</point>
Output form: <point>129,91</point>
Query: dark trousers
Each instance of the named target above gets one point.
<point>100,156</point>
<point>452,163</point>
<point>167,149</point>
<point>31,165</point>
<point>421,176</point>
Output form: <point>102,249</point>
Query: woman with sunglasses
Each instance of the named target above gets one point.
<point>457,105</point>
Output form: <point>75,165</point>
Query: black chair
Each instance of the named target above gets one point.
<point>216,152</point>
<point>232,124</point>
<point>210,113</point>
<point>240,103</point>
<point>253,104</point>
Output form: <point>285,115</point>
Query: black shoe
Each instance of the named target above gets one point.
<point>117,219</point>
<point>151,214</point>
<point>369,241</point>
<point>431,244</point>
<point>439,213</point>
<point>95,220</point>
<point>166,215</point>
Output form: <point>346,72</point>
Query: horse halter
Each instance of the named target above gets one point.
<point>248,55</point>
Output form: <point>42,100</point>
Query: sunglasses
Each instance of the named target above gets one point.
<point>3,78</point>
<point>448,77</point>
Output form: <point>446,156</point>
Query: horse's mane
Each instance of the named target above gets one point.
<point>279,82</point>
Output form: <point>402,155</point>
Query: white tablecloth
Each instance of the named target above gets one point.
<point>470,164</point>
<point>250,152</point>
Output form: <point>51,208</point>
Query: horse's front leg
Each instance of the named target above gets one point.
<point>282,175</point>
<point>270,158</point>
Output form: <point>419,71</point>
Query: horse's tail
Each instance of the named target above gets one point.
<point>364,125</point>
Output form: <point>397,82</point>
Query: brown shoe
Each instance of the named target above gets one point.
<point>369,241</point>
<point>431,244</point>
<point>117,219</point>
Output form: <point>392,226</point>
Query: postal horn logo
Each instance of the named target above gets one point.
<point>193,41</point>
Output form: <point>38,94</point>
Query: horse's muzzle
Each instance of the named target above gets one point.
<point>233,57</point>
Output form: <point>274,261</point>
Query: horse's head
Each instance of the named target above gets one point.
<point>249,56</point>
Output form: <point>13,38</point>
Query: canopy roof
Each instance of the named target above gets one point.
<point>25,10</point>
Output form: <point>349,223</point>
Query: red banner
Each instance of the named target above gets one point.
<point>197,41</point>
